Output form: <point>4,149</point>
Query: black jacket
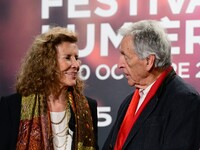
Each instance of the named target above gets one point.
<point>170,121</point>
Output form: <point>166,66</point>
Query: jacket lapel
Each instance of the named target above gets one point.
<point>121,113</point>
<point>141,120</point>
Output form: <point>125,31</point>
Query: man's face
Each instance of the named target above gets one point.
<point>134,68</point>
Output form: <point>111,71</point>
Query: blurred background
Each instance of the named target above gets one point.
<point>96,23</point>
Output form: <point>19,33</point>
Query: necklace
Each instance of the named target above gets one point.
<point>60,131</point>
<point>65,136</point>
<point>67,109</point>
<point>56,123</point>
<point>64,144</point>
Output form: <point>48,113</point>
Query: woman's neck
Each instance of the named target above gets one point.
<point>57,103</point>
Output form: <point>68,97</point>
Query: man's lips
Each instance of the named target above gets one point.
<point>126,75</point>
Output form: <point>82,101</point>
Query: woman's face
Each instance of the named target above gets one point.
<point>68,63</point>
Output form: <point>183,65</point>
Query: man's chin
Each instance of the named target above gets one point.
<point>130,83</point>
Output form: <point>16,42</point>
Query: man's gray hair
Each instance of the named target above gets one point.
<point>149,37</point>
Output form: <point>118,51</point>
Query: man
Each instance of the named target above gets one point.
<point>167,116</point>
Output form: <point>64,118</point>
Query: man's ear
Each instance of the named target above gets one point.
<point>150,60</point>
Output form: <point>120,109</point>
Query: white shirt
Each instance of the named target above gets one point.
<point>61,141</point>
<point>143,93</point>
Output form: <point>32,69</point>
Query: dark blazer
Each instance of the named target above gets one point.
<point>10,108</point>
<point>170,121</point>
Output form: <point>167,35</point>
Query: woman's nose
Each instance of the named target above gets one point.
<point>75,63</point>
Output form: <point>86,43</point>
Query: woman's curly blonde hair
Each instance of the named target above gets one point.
<point>39,73</point>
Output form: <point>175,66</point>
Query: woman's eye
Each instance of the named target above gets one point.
<point>68,58</point>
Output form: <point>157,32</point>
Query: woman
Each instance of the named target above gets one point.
<point>49,110</point>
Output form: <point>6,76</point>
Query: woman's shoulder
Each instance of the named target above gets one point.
<point>12,100</point>
<point>91,101</point>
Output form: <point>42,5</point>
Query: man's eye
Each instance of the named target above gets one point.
<point>126,57</point>
<point>77,58</point>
